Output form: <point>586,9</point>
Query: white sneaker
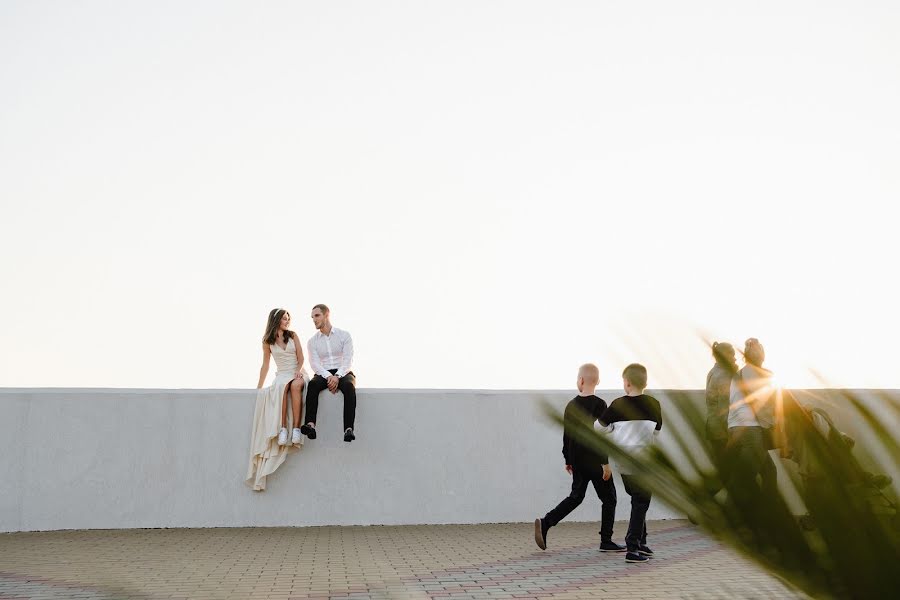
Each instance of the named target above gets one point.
<point>296,438</point>
<point>282,437</point>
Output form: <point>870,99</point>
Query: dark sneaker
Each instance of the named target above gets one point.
<point>308,431</point>
<point>611,546</point>
<point>540,534</point>
<point>348,435</point>
<point>645,550</point>
<point>634,557</point>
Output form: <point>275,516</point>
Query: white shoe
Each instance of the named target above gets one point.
<point>296,438</point>
<point>282,437</point>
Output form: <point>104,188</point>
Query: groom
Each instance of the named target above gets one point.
<point>330,355</point>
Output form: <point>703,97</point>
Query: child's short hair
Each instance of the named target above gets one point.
<point>590,372</point>
<point>636,375</point>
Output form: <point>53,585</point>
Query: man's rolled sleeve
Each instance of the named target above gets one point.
<point>346,357</point>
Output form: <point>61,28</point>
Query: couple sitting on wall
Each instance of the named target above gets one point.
<point>331,356</point>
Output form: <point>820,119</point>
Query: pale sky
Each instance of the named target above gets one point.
<point>486,194</point>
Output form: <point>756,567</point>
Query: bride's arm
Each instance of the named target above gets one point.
<point>264,369</point>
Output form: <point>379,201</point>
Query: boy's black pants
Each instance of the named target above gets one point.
<point>606,491</point>
<point>347,385</point>
<point>637,524</point>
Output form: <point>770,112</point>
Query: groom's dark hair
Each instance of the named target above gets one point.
<point>322,307</point>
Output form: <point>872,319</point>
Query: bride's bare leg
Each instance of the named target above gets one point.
<point>297,401</point>
<point>284,407</point>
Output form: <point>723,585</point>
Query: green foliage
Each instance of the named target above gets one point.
<point>848,543</point>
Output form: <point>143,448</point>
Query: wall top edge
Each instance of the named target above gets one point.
<point>188,391</point>
<point>45,390</point>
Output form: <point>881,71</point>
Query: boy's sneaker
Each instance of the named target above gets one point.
<point>611,546</point>
<point>645,550</point>
<point>308,431</point>
<point>634,557</point>
<point>295,436</point>
<point>540,534</point>
<point>348,435</point>
<point>282,436</point>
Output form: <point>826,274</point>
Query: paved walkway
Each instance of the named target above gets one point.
<point>451,562</point>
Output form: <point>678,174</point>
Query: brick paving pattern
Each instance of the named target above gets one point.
<point>436,562</point>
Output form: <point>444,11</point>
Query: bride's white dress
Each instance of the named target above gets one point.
<point>265,453</point>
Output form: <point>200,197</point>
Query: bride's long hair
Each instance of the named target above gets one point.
<point>275,316</point>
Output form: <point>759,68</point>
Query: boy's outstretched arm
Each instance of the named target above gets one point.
<point>602,427</point>
<point>607,421</point>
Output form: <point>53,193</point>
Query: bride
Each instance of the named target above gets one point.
<point>266,452</point>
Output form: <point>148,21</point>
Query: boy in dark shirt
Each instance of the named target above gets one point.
<point>584,464</point>
<point>633,422</point>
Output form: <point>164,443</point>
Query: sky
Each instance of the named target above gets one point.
<point>486,194</point>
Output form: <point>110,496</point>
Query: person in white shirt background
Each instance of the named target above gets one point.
<point>331,357</point>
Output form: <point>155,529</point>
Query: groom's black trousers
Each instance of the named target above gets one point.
<point>347,385</point>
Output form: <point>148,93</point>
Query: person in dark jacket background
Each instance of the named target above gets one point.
<point>585,464</point>
<point>718,390</point>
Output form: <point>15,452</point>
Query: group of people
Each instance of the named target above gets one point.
<point>740,415</point>
<point>632,422</point>
<point>330,357</point>
<point>739,427</point>
<point>748,416</point>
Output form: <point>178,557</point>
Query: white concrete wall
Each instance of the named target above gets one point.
<point>118,458</point>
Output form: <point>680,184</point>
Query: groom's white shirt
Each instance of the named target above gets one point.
<point>333,351</point>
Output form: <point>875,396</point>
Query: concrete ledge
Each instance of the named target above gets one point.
<point>121,458</point>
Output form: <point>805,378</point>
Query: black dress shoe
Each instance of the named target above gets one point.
<point>308,431</point>
<point>540,533</point>
<point>348,435</point>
